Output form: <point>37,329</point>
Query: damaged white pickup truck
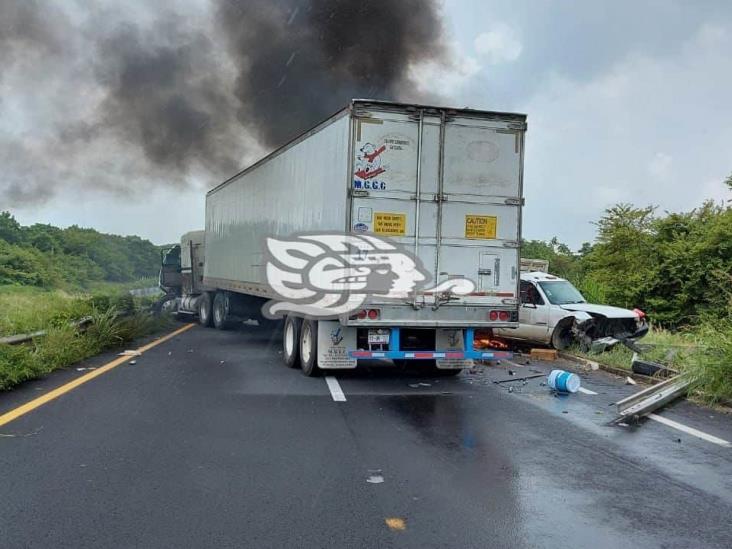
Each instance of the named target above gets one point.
<point>554,312</point>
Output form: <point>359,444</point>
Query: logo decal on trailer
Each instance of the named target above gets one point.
<point>336,336</point>
<point>325,275</point>
<point>368,166</point>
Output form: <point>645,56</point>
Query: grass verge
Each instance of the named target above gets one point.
<point>704,354</point>
<point>117,319</point>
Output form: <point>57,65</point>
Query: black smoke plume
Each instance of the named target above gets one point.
<point>300,61</point>
<point>120,97</point>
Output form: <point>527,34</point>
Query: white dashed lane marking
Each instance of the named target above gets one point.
<point>335,389</point>
<point>690,430</point>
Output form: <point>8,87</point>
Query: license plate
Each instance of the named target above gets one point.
<point>378,336</point>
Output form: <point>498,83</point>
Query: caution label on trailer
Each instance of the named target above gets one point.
<point>388,223</point>
<point>479,227</point>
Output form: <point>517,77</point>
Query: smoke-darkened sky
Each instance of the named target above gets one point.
<point>120,115</point>
<point>138,97</point>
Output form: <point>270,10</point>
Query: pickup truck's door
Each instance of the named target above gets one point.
<point>533,314</point>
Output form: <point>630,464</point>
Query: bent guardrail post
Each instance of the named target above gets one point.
<point>644,402</point>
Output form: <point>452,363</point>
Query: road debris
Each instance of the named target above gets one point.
<point>85,369</point>
<point>130,352</point>
<point>132,362</point>
<point>395,523</point>
<point>650,368</point>
<point>524,378</point>
<point>563,381</point>
<point>544,354</point>
<point>648,400</point>
<point>22,435</point>
<point>375,476</point>
<point>630,381</point>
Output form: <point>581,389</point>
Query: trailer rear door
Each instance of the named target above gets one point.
<point>445,187</point>
<point>480,205</point>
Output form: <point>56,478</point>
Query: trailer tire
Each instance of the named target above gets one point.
<point>220,311</point>
<point>204,310</point>
<point>291,341</point>
<point>309,348</point>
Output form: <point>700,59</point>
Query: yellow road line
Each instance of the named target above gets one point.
<point>48,397</point>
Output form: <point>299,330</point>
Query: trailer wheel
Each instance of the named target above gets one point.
<point>204,310</point>
<point>221,317</point>
<point>309,348</point>
<point>291,341</point>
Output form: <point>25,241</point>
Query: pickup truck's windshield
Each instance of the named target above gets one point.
<point>561,292</point>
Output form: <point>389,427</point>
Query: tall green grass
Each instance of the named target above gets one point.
<point>704,354</point>
<point>710,365</point>
<point>116,319</point>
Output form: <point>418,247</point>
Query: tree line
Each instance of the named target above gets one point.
<point>677,267</point>
<point>50,257</point>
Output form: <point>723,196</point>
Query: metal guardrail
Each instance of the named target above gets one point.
<point>17,339</point>
<point>642,403</point>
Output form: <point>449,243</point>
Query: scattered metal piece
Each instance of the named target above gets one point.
<point>517,378</point>
<point>630,381</point>
<point>133,362</point>
<point>644,402</point>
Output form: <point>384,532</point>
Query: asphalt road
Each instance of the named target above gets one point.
<point>209,441</point>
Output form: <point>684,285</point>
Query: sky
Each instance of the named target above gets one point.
<point>626,102</point>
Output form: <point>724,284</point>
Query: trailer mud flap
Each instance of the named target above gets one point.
<point>450,340</point>
<point>334,341</point>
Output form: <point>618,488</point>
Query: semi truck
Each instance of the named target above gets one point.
<point>443,185</point>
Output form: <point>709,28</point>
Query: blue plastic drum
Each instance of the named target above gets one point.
<point>563,381</point>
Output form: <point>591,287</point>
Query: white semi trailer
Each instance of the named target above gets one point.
<point>443,184</point>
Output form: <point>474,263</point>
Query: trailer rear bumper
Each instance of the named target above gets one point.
<point>394,352</point>
<point>431,355</point>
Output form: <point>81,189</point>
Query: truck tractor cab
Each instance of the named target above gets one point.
<point>170,277</point>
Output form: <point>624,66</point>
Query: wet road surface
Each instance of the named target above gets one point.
<point>210,441</point>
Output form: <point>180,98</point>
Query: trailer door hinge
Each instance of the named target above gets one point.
<point>514,201</point>
<point>510,244</point>
<point>521,126</point>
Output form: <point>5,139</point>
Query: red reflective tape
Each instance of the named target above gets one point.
<point>424,355</point>
<point>454,355</point>
<point>361,354</point>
